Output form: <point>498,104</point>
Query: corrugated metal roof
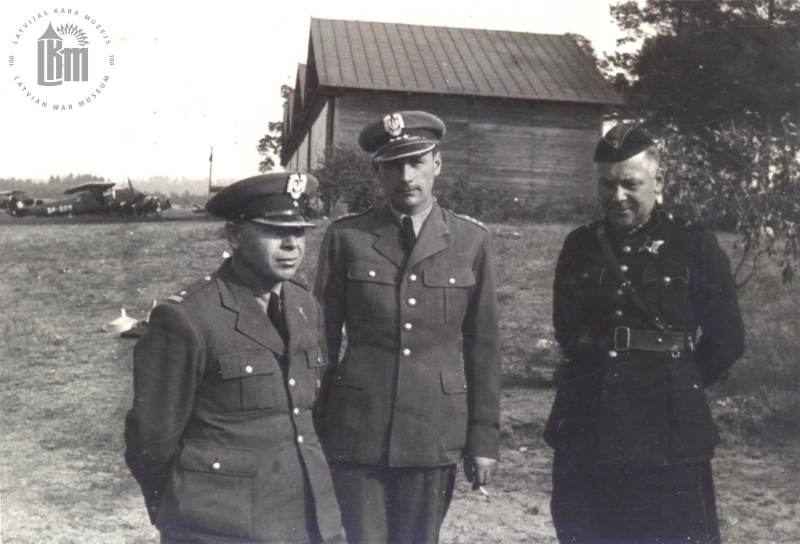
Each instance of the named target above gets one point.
<point>435,59</point>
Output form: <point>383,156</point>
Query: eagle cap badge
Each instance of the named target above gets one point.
<point>296,184</point>
<point>394,125</point>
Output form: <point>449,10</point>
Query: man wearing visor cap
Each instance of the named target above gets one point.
<point>221,437</point>
<point>412,283</point>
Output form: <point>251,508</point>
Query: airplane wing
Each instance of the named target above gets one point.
<point>91,186</point>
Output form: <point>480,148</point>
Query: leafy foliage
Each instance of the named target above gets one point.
<point>271,143</point>
<point>345,174</point>
<point>739,178</point>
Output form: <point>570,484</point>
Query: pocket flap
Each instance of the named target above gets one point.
<point>454,277</point>
<point>247,363</point>
<point>454,381</point>
<point>201,457</point>
<point>666,272</point>
<point>314,357</point>
<point>593,274</point>
<point>684,375</point>
<point>372,272</point>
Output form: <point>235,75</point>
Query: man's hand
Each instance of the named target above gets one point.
<point>479,470</point>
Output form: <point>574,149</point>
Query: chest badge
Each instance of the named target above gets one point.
<point>652,246</point>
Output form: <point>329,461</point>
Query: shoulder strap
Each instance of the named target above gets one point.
<point>608,254</point>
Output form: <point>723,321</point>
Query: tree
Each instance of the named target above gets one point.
<point>271,143</point>
<point>345,173</point>
<point>702,62</point>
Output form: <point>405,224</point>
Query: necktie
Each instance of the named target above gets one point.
<point>409,236</point>
<point>275,315</point>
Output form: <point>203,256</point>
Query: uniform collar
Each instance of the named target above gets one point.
<point>417,219</point>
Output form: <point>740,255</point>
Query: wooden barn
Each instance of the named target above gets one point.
<point>522,109</point>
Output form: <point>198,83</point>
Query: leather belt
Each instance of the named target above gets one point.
<point>625,339</point>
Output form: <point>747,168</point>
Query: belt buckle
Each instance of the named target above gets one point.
<point>617,333</point>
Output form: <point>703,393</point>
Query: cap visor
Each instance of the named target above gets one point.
<point>293,223</point>
<point>403,150</point>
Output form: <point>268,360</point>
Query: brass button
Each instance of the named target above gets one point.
<point>292,382</point>
<point>618,312</point>
<point>371,273</point>
<point>585,275</point>
<point>248,369</point>
<point>667,279</point>
<point>451,281</point>
<point>612,353</point>
<point>183,293</point>
<point>412,302</point>
<point>215,466</point>
<point>464,386</point>
<point>320,383</point>
<point>296,411</point>
<point>626,249</point>
<point>619,292</point>
<point>659,340</point>
<point>406,352</point>
<point>412,277</point>
<point>319,360</point>
<point>300,439</point>
<point>408,326</point>
<point>623,268</point>
<point>207,278</point>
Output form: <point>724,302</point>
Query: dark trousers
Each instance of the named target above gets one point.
<point>633,504</point>
<point>395,505</point>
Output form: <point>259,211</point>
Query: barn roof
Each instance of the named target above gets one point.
<point>436,59</point>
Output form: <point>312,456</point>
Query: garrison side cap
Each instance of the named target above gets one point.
<point>401,134</point>
<point>280,199</point>
<point>621,143</point>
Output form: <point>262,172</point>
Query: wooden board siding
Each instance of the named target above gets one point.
<point>542,149</point>
<point>318,138</point>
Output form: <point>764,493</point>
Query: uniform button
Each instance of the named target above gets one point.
<point>215,466</point>
<point>412,277</point>
<point>667,279</point>
<point>406,352</point>
<point>319,360</point>
<point>320,383</point>
<point>300,439</point>
<point>619,292</point>
<point>408,326</point>
<point>618,312</point>
<point>207,278</point>
<point>371,273</point>
<point>626,249</point>
<point>451,281</point>
<point>659,340</point>
<point>248,369</point>
<point>612,353</point>
<point>296,411</point>
<point>464,386</point>
<point>695,386</point>
<point>183,293</point>
<point>412,302</point>
<point>623,268</point>
<point>585,276</point>
<point>292,382</point>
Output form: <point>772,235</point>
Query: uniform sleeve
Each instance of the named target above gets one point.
<point>330,289</point>
<point>168,363</point>
<point>481,340</point>
<point>717,310</point>
<point>565,315</point>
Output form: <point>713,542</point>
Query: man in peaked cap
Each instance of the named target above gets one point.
<point>411,282</point>
<point>221,436</point>
<point>631,428</point>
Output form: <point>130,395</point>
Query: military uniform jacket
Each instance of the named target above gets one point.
<point>405,393</point>
<point>637,406</point>
<point>216,437</point>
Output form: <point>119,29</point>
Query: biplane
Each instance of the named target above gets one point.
<point>95,198</point>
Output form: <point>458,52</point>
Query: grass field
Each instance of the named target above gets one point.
<point>65,384</point>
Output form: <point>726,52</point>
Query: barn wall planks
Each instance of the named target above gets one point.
<point>542,149</point>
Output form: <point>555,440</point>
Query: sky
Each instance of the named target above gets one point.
<point>187,77</point>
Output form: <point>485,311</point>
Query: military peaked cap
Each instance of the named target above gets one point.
<point>401,134</point>
<point>278,198</point>
<point>621,143</point>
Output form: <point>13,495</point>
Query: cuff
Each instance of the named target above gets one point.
<point>483,440</point>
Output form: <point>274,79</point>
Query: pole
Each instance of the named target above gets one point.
<point>210,164</point>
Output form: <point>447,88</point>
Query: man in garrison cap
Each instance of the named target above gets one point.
<point>412,283</point>
<point>646,314</point>
<point>221,436</point>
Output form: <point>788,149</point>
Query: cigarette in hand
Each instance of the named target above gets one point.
<point>483,491</point>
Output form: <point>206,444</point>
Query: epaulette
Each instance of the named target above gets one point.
<point>470,219</point>
<point>186,292</point>
<point>351,215</point>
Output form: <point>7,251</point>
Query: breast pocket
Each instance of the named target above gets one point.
<point>447,293</point>
<point>371,291</point>
<point>248,381</point>
<point>665,285</point>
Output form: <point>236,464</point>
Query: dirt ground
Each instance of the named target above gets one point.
<point>65,385</point>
